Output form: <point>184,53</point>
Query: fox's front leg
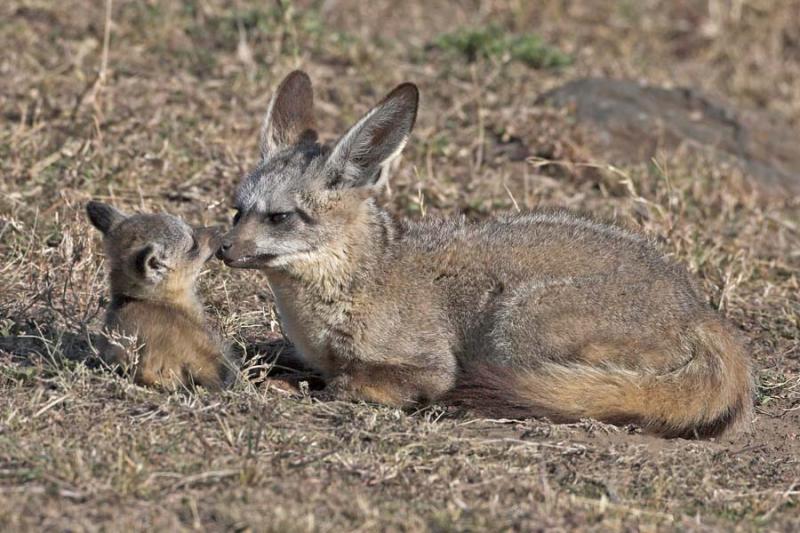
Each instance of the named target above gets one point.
<point>396,386</point>
<point>345,388</point>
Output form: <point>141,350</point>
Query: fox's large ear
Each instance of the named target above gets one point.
<point>152,263</point>
<point>103,216</point>
<point>290,116</point>
<point>362,155</point>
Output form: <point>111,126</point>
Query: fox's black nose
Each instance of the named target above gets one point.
<point>224,247</point>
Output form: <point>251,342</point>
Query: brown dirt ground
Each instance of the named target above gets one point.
<point>166,118</point>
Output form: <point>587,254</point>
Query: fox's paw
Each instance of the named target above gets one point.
<point>283,387</point>
<point>337,389</point>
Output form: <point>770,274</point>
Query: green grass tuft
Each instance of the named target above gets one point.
<point>493,42</point>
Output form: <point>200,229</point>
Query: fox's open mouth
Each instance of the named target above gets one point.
<point>247,261</point>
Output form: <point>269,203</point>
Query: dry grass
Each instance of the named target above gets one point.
<point>164,115</point>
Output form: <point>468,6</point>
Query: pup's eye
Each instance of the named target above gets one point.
<point>195,245</point>
<point>237,217</point>
<point>277,218</point>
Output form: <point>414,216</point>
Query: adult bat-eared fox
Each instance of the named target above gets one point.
<point>537,314</point>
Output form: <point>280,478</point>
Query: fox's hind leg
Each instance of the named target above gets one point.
<point>589,321</point>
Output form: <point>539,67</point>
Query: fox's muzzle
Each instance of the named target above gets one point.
<point>241,253</point>
<point>243,261</point>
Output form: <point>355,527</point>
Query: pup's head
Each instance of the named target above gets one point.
<point>152,256</point>
<point>301,197</point>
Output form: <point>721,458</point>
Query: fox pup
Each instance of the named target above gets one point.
<point>539,314</point>
<point>155,323</point>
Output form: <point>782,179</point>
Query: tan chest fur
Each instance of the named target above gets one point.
<point>308,324</point>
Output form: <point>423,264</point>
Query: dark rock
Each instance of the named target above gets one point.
<point>626,122</point>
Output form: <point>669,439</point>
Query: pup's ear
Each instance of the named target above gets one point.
<point>290,116</point>
<point>152,263</point>
<point>103,216</point>
<point>362,155</point>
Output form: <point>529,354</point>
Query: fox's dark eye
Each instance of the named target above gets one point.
<point>195,245</point>
<point>277,218</point>
<point>237,217</point>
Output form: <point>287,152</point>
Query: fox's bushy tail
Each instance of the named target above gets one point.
<point>710,394</point>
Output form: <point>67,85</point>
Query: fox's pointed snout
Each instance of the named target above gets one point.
<point>237,252</point>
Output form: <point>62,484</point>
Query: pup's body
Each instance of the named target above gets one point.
<point>544,314</point>
<point>155,324</point>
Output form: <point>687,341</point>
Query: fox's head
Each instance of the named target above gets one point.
<point>152,256</point>
<point>302,197</point>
